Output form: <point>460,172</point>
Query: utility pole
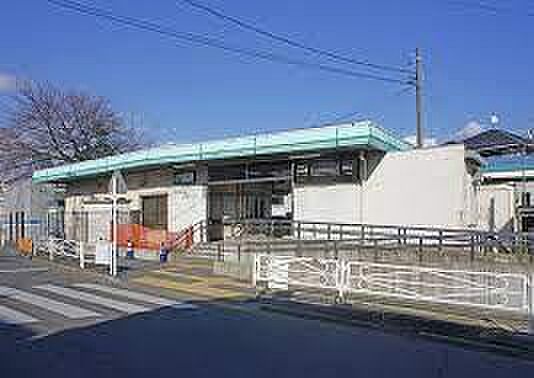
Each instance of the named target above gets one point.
<point>418,97</point>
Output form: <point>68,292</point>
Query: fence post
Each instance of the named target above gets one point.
<point>82,256</point>
<point>50,250</point>
<point>341,280</point>
<point>421,244</point>
<point>472,248</point>
<point>530,302</point>
<point>255,262</point>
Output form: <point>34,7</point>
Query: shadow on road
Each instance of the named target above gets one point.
<point>223,341</point>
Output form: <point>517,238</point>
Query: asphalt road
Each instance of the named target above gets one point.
<point>59,324</point>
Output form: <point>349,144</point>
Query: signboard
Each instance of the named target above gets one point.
<point>103,253</point>
<point>121,187</point>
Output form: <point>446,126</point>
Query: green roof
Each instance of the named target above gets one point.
<point>360,134</point>
<point>508,166</point>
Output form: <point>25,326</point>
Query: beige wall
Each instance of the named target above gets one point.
<point>428,187</point>
<point>186,204</point>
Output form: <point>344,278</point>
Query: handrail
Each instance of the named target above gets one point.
<point>185,239</point>
<point>382,235</point>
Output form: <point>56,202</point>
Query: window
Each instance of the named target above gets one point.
<point>268,169</point>
<point>323,171</point>
<point>185,178</point>
<point>346,167</point>
<point>154,210</point>
<point>301,169</point>
<point>324,168</point>
<point>226,172</point>
<point>278,200</point>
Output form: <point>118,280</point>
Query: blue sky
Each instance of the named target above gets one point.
<point>476,62</point>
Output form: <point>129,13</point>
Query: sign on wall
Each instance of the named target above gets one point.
<point>103,253</point>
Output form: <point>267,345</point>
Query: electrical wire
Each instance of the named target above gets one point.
<point>202,40</point>
<point>283,39</point>
<point>487,7</point>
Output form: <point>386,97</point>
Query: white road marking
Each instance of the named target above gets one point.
<point>64,309</point>
<point>95,299</point>
<point>24,270</point>
<point>9,316</point>
<point>142,297</point>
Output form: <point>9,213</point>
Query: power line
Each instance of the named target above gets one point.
<point>283,39</point>
<point>202,40</point>
<point>488,7</point>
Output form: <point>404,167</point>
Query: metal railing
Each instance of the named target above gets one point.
<point>191,235</point>
<point>383,236</point>
<point>71,249</point>
<point>486,290</point>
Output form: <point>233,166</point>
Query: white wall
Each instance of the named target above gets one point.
<point>186,204</point>
<point>501,213</point>
<point>427,187</point>
<point>336,203</point>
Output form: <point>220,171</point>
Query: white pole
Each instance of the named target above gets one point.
<point>114,248</point>
<point>82,256</point>
<point>255,263</point>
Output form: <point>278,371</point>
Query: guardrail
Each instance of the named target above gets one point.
<point>384,236</point>
<point>73,249</point>
<point>486,290</point>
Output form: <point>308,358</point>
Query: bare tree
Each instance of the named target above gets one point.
<point>46,126</point>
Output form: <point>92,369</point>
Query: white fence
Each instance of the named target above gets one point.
<point>489,290</point>
<point>82,251</point>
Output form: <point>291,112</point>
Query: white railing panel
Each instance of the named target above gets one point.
<point>489,290</point>
<point>280,271</point>
<point>505,291</point>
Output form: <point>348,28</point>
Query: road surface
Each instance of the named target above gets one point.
<point>58,324</point>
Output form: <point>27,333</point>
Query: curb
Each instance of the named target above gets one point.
<point>76,269</point>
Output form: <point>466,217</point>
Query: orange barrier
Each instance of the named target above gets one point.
<point>25,246</point>
<point>146,238</point>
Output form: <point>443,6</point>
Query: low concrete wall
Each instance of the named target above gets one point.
<point>448,258</point>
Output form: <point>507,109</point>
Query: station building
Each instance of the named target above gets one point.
<point>348,173</point>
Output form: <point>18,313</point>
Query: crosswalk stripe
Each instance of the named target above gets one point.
<point>24,270</point>
<point>64,309</point>
<point>142,297</point>
<point>95,299</point>
<point>10,316</point>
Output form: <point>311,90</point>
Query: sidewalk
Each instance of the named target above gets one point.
<point>196,278</point>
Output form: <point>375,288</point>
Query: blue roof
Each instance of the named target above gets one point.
<point>360,134</point>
